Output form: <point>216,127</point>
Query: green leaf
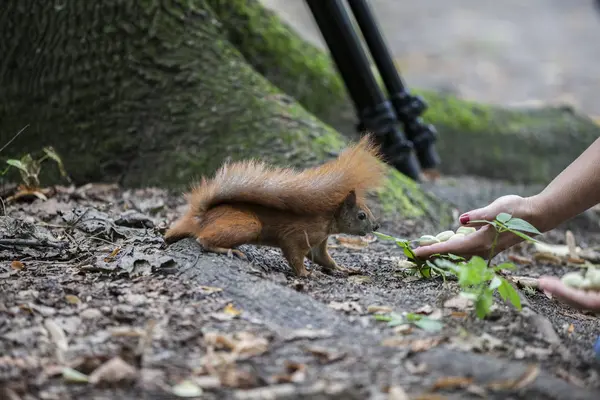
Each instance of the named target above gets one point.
<point>483,221</point>
<point>396,319</point>
<point>429,325</point>
<point>495,283</point>
<point>519,224</point>
<point>384,236</point>
<point>425,272</point>
<point>503,218</point>
<point>381,317</point>
<point>409,253</point>
<point>454,257</point>
<point>506,265</point>
<point>17,164</point>
<point>507,291</point>
<point>51,153</point>
<point>483,304</point>
<point>524,236</point>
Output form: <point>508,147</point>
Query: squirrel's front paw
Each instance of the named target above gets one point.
<point>344,270</point>
<point>238,253</point>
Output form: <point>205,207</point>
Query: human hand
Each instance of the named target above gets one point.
<point>480,242</point>
<point>581,299</point>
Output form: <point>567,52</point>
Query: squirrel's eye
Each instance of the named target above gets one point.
<point>362,215</point>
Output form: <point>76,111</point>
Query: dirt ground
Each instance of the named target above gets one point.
<point>87,282</point>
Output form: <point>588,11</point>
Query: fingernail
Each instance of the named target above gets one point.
<point>464,219</point>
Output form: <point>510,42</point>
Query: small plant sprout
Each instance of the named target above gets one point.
<point>30,167</point>
<point>477,278</point>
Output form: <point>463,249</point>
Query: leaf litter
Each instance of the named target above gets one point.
<point>104,273</point>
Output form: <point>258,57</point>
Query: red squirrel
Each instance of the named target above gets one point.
<point>250,202</point>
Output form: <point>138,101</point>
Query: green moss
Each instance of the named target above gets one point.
<point>402,196</point>
<point>278,53</point>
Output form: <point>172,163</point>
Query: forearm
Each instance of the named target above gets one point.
<point>573,191</point>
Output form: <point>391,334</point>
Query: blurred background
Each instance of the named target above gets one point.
<point>510,52</point>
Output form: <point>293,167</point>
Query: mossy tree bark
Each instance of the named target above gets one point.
<point>154,93</point>
<point>529,146</point>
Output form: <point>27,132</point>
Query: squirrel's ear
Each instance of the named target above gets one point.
<point>350,200</point>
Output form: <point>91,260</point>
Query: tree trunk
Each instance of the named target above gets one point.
<point>528,146</point>
<point>154,93</point>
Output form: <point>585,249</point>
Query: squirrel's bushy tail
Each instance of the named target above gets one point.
<point>314,190</point>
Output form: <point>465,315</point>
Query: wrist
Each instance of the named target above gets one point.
<point>537,213</point>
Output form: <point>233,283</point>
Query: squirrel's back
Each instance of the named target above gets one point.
<point>314,190</point>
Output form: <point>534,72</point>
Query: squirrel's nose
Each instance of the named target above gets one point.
<point>375,226</point>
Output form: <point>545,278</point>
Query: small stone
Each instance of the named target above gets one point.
<point>91,313</point>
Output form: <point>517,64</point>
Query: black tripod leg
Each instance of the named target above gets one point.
<point>408,108</point>
<point>375,112</point>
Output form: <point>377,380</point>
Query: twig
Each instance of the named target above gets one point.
<point>31,243</point>
<point>14,137</point>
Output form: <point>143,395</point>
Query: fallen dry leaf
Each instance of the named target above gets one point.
<point>425,310</point>
<point>295,373</point>
<point>112,255</point>
<point>355,243</point>
<point>547,258</point>
<point>231,310</point>
<point>17,265</point>
<point>210,289</point>
<point>576,260</point>
<point>58,337</point>
<point>525,379</point>
<point>325,356</point>
<point>72,299</point>
<point>241,344</point>
<point>347,306</point>
<point>403,329</point>
<point>359,279</point>
<point>521,260</point>
<point>249,345</point>
<point>310,334</point>
<point>571,328</point>
<point>237,378</point>
<point>397,393</point>
<point>458,303</point>
<point>379,309</point>
<point>113,371</point>
<point>459,314</point>
<point>451,382</point>
<point>524,281</point>
<point>416,345</point>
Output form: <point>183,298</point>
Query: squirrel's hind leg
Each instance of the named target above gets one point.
<point>226,227</point>
<point>294,253</point>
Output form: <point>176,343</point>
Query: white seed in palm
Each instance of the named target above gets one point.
<point>593,276</point>
<point>573,279</point>
<point>443,236</point>
<point>426,240</point>
<point>466,230</point>
<point>457,236</point>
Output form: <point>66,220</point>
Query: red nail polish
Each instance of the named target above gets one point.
<point>464,219</point>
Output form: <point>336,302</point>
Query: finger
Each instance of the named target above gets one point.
<point>485,213</point>
<point>460,246</point>
<point>576,297</point>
